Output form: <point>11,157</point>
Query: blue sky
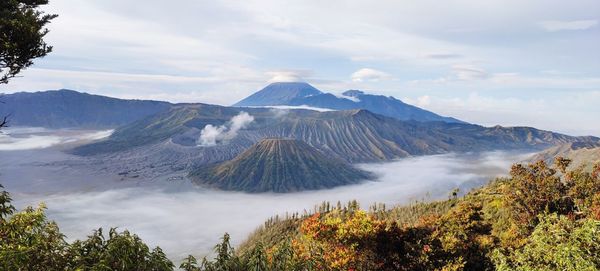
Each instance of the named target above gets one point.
<point>533,63</point>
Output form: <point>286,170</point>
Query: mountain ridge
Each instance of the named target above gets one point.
<point>352,135</point>
<point>580,154</point>
<point>66,108</point>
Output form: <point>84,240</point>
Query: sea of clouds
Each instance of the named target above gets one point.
<point>27,138</point>
<point>185,219</point>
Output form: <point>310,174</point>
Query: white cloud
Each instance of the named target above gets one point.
<point>211,135</point>
<point>553,26</point>
<point>459,74</point>
<point>351,98</point>
<point>367,74</point>
<point>424,100</point>
<point>288,75</point>
<point>468,72</point>
<point>13,139</point>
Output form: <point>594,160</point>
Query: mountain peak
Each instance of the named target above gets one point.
<point>279,165</point>
<point>279,93</point>
<point>283,83</point>
<point>303,94</point>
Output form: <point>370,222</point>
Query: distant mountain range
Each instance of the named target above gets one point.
<point>221,145</point>
<point>299,93</point>
<point>71,109</point>
<point>279,165</point>
<point>171,140</point>
<point>173,137</point>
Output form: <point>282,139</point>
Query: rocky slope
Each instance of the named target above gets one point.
<point>353,135</point>
<point>279,165</point>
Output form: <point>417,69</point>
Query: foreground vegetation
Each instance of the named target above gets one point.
<point>540,218</point>
<point>29,241</point>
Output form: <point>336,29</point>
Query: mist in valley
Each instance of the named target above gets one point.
<point>186,219</point>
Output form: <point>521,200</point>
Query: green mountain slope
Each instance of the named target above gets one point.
<point>279,165</point>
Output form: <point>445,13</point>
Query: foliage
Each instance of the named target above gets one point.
<point>189,264</point>
<point>465,238</point>
<point>29,241</point>
<point>6,208</point>
<point>121,251</point>
<point>274,231</point>
<point>535,189</point>
<point>557,243</point>
<point>22,32</point>
<point>540,218</point>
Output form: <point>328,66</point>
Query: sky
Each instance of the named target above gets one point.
<point>527,63</point>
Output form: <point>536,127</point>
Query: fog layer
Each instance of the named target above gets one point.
<point>184,219</point>
<point>26,138</point>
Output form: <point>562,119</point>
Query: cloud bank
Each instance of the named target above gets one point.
<point>184,219</point>
<point>12,139</point>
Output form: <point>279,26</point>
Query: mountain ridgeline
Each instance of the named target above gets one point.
<point>580,153</point>
<point>352,135</point>
<point>71,109</point>
<point>298,94</point>
<point>279,165</point>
